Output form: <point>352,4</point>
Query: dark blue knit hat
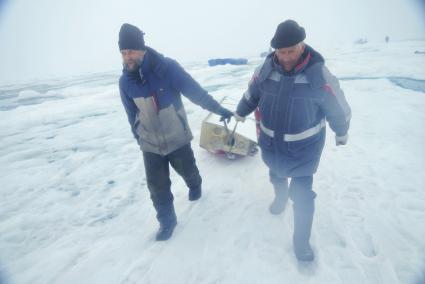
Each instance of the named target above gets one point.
<point>288,33</point>
<point>131,37</point>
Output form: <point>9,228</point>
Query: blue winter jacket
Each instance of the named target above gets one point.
<point>152,99</point>
<point>293,107</point>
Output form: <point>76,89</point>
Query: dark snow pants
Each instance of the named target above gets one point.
<point>158,178</point>
<point>302,194</point>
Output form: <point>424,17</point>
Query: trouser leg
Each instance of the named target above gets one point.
<point>303,196</point>
<point>281,191</point>
<point>159,185</point>
<point>184,163</point>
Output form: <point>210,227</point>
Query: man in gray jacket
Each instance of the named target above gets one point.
<point>150,87</point>
<point>295,94</point>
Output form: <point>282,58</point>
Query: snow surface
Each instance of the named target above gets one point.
<point>75,208</point>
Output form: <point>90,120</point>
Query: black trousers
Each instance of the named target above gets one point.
<point>158,178</point>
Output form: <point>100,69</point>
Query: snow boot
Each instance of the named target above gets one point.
<point>165,231</point>
<point>303,251</point>
<point>167,221</point>
<point>195,193</point>
<point>280,200</point>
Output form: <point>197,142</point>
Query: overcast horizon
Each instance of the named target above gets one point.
<point>49,39</point>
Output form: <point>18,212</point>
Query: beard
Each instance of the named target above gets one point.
<point>132,65</point>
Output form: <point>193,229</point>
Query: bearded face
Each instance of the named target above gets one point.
<point>132,58</point>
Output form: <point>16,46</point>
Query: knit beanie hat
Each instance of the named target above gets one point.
<point>131,37</point>
<point>288,33</point>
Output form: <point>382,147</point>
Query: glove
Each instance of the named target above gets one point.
<point>341,140</point>
<point>238,117</point>
<point>224,114</point>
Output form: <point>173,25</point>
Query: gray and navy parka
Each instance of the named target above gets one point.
<point>152,99</point>
<point>293,108</point>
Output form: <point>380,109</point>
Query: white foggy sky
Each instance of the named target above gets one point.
<point>47,38</point>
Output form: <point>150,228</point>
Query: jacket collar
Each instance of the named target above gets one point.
<point>310,59</point>
<point>153,63</point>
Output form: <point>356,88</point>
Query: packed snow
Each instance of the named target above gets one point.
<point>75,207</point>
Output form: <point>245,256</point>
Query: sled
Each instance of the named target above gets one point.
<point>234,139</point>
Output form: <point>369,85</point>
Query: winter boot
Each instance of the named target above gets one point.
<point>303,251</point>
<point>195,193</point>
<point>167,222</point>
<point>165,231</point>
<point>303,220</point>
<point>280,199</point>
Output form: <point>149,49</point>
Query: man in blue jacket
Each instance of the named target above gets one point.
<point>295,94</point>
<point>150,88</point>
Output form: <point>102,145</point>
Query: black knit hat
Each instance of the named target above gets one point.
<point>131,37</point>
<point>288,33</point>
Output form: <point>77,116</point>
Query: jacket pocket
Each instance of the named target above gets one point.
<point>182,121</point>
<point>270,87</point>
<point>265,141</point>
<point>145,135</point>
<point>174,125</point>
